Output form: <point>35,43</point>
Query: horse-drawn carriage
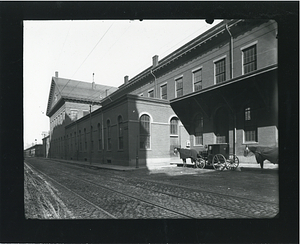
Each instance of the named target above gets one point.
<point>213,155</point>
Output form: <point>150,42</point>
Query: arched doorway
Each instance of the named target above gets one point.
<point>221,122</point>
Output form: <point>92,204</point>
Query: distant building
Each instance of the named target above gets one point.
<point>34,151</point>
<point>68,101</point>
<point>46,146</point>
<point>222,87</point>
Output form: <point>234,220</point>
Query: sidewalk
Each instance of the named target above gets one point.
<point>98,165</point>
<point>243,166</point>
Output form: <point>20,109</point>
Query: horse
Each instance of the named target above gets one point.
<point>263,153</point>
<point>187,153</point>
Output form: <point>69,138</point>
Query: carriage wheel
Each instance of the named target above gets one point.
<point>232,162</point>
<point>219,162</point>
<point>200,163</point>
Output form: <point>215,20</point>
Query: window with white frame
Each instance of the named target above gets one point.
<point>174,126</point>
<point>151,93</point>
<point>145,131</point>
<point>179,86</point>
<point>163,91</point>
<point>73,114</point>
<point>198,130</point>
<point>220,71</point>
<point>249,59</point>
<point>197,79</point>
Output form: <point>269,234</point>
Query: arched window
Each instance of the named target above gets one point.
<point>174,126</point>
<point>145,131</point>
<point>99,137</point>
<point>108,135</point>
<point>120,130</point>
<point>198,130</point>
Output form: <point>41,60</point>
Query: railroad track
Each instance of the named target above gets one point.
<point>198,201</point>
<point>172,213</point>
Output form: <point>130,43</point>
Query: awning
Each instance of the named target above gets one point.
<point>259,85</point>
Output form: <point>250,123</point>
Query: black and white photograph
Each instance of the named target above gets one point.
<point>151,119</point>
<point>167,123</point>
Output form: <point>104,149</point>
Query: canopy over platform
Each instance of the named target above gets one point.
<point>260,86</point>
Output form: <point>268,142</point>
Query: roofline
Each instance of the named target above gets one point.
<point>119,100</point>
<point>197,41</point>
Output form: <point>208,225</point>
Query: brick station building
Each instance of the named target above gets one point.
<point>219,87</point>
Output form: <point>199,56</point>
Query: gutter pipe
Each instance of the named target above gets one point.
<point>231,76</point>
<point>155,92</point>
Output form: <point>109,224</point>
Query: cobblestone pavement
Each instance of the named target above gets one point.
<point>171,192</point>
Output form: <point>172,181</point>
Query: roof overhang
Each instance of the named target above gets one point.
<point>259,85</point>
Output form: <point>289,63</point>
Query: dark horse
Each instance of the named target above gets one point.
<point>187,153</point>
<point>263,153</point>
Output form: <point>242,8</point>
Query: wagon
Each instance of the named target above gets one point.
<point>217,156</point>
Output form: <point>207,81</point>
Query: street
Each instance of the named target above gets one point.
<point>57,190</point>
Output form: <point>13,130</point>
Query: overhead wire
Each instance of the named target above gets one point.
<point>60,91</point>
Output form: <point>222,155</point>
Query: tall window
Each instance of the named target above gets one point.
<point>220,71</point>
<point>197,77</point>
<point>85,141</point>
<point>108,135</point>
<point>120,129</point>
<point>92,142</point>
<point>163,89</point>
<point>250,127</point>
<point>75,142</point>
<point>179,87</point>
<point>71,145</point>
<point>67,144</point>
<point>249,59</point>
<point>198,127</point>
<point>145,131</point>
<point>80,142</point>
<point>151,93</point>
<point>174,126</point>
<point>99,137</point>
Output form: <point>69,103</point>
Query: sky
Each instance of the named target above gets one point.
<point>111,49</point>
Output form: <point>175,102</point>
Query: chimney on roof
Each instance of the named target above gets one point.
<point>93,83</point>
<point>56,74</point>
<point>154,61</point>
<point>126,79</point>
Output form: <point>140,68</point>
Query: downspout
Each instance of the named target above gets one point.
<point>102,132</point>
<point>154,83</point>
<point>231,76</point>
<point>90,135</point>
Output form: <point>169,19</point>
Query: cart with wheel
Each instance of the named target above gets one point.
<point>218,157</point>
